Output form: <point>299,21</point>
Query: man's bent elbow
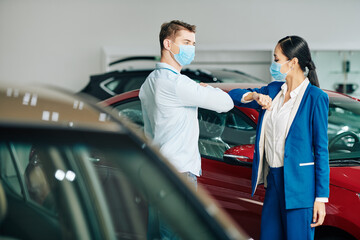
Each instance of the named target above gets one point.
<point>230,105</point>
<point>227,106</point>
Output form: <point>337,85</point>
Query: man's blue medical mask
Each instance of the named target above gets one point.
<point>186,54</point>
<point>275,71</point>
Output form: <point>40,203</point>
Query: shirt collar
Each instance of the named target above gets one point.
<point>296,91</point>
<point>162,65</point>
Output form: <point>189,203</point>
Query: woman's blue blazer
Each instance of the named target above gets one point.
<point>306,158</point>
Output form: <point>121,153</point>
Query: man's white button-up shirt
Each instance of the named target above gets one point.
<point>170,102</point>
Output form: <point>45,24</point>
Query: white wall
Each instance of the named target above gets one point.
<point>59,42</point>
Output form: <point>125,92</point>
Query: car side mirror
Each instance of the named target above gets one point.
<point>240,155</point>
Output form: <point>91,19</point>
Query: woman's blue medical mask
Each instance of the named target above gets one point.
<point>275,71</point>
<point>186,54</point>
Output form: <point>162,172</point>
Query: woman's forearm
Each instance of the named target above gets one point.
<point>251,96</point>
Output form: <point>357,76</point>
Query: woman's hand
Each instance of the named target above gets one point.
<point>263,100</point>
<point>318,214</point>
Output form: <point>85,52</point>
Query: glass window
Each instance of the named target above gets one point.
<point>125,83</point>
<point>221,131</point>
<point>218,131</point>
<point>131,180</point>
<point>127,205</point>
<point>39,186</point>
<point>344,130</point>
<point>8,169</point>
<point>132,111</point>
<point>113,85</point>
<point>133,83</point>
<point>70,183</point>
<point>134,185</point>
<point>44,209</point>
<point>31,171</point>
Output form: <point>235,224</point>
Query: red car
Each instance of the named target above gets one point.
<point>226,144</point>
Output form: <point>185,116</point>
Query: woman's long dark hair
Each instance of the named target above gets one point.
<point>295,46</point>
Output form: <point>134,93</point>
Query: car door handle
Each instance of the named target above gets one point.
<point>234,160</point>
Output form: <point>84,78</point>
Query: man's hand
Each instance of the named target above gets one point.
<point>318,214</point>
<point>203,84</point>
<point>263,100</point>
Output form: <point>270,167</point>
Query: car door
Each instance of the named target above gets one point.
<point>133,178</point>
<point>226,179</point>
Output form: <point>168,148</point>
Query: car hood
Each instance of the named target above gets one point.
<point>346,177</point>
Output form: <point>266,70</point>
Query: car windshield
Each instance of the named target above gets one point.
<point>344,130</point>
<point>233,76</point>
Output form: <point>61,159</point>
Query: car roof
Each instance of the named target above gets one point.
<point>46,106</point>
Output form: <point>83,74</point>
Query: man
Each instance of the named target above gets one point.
<point>170,102</point>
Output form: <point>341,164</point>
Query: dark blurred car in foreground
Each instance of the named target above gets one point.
<point>71,170</point>
<point>109,84</point>
<point>226,144</point>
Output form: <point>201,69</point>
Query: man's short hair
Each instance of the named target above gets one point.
<point>170,29</point>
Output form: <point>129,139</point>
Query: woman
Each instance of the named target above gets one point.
<point>291,150</point>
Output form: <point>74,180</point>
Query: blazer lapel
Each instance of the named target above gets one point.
<point>262,144</point>
<point>263,123</point>
<point>295,108</point>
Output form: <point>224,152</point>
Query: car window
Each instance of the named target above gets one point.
<point>31,171</point>
<point>344,129</point>
<point>133,183</point>
<point>124,84</point>
<point>70,181</point>
<point>133,82</point>
<point>221,131</point>
<point>218,131</point>
<point>43,209</point>
<point>112,85</point>
<point>132,111</point>
<point>8,170</point>
<point>40,186</point>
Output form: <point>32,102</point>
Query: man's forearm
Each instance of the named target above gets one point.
<point>218,101</point>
